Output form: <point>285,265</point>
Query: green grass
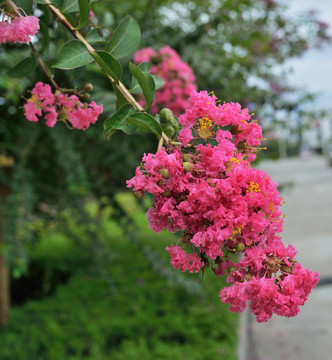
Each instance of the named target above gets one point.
<point>127,304</point>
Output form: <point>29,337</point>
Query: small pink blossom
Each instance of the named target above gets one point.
<point>60,107</point>
<point>18,29</point>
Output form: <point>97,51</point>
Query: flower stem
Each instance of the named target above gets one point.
<point>42,64</point>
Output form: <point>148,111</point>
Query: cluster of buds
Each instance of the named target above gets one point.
<point>18,28</point>
<point>207,188</point>
<point>178,76</point>
<point>61,107</point>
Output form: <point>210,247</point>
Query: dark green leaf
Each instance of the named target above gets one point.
<point>146,83</point>
<point>70,6</point>
<point>119,122</point>
<point>108,63</point>
<point>49,67</point>
<point>145,122</point>
<point>26,5</point>
<point>46,37</point>
<point>57,3</point>
<point>159,82</point>
<point>145,66</point>
<point>125,39</point>
<point>73,54</point>
<point>23,68</point>
<point>84,9</point>
<point>152,87</point>
<point>94,36</point>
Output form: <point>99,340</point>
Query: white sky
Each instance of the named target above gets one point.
<point>313,71</point>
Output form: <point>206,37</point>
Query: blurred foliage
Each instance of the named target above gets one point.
<point>124,303</point>
<point>233,46</point>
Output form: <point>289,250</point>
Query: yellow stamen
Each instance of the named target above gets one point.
<point>271,207</point>
<point>253,187</point>
<point>204,127</point>
<point>235,160</point>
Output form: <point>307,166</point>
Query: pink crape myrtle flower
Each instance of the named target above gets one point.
<point>178,76</point>
<point>18,29</point>
<point>60,107</point>
<point>224,206</point>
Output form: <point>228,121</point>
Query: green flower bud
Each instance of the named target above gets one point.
<point>138,194</point>
<point>88,87</point>
<point>168,122</point>
<point>188,166</point>
<point>164,173</point>
<point>240,246</point>
<point>187,157</point>
<point>232,268</point>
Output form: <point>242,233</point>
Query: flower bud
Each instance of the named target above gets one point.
<point>188,166</point>
<point>240,246</point>
<point>187,158</point>
<point>168,122</point>
<point>247,276</point>
<point>88,87</point>
<point>232,268</point>
<point>86,96</point>
<point>138,194</point>
<point>164,173</point>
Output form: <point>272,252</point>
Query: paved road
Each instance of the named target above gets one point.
<point>308,226</point>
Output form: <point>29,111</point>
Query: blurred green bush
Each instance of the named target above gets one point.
<point>121,301</point>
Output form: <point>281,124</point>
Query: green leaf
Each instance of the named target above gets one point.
<point>84,9</point>
<point>125,39</point>
<point>49,67</point>
<point>152,87</point>
<point>23,68</point>
<point>159,82</point>
<point>120,99</point>
<point>94,36</point>
<point>145,66</point>
<point>146,83</point>
<point>119,122</point>
<point>46,37</point>
<point>57,3</point>
<point>70,6</point>
<point>108,63</point>
<point>26,5</point>
<point>145,122</point>
<point>73,54</point>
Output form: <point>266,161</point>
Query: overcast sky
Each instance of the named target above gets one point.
<point>314,70</point>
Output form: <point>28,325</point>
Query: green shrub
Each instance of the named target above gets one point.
<point>133,306</point>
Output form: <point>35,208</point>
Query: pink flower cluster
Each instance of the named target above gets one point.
<point>60,106</point>
<point>224,207</point>
<point>18,29</point>
<point>178,76</point>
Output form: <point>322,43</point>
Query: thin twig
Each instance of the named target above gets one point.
<point>42,64</point>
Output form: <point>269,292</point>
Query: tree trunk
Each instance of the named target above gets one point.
<point>4,273</point>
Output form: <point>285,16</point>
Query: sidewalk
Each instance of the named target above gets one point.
<point>308,226</point>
